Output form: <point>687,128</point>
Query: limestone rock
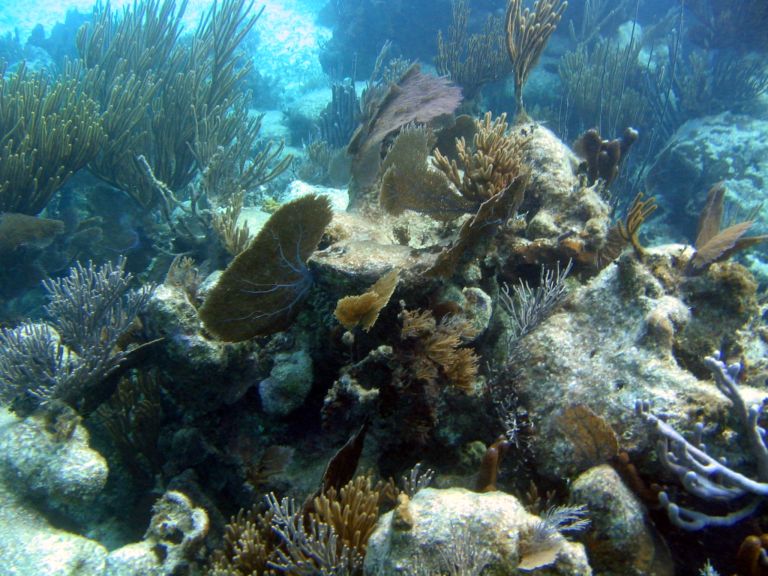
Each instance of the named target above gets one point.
<point>288,384</point>
<point>469,529</point>
<point>175,534</point>
<point>64,471</point>
<point>620,539</point>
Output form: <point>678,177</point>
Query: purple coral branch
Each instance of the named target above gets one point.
<point>701,474</point>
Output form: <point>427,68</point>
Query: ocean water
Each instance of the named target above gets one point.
<point>359,287</point>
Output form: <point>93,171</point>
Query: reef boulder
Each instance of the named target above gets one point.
<point>467,531</point>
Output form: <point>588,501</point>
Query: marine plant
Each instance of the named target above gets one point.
<point>262,290</point>
<point>713,242</point>
<point>471,60</point>
<point>136,61</point>
<point>528,32</point>
<point>49,129</point>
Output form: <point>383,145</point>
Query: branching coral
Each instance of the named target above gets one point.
<point>437,349</point>
<point>528,307</point>
<point>705,476</point>
<point>528,32</point>
<point>599,85</point>
<point>488,179</point>
<point>627,231</point>
<point>332,538</point>
<point>90,310</point>
<point>352,511</point>
<point>738,24</point>
<point>136,61</point>
<point>247,545</point>
<point>489,164</point>
<point>471,61</point>
<point>232,235</point>
<point>49,130</point>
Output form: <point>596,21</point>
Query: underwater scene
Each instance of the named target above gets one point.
<point>373,288</point>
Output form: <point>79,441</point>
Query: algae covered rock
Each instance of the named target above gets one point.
<point>621,338</point>
<point>564,218</point>
<point>620,539</point>
<point>473,533</point>
<point>195,359</point>
<point>175,534</point>
<point>288,384</point>
<point>58,467</point>
<point>61,473</point>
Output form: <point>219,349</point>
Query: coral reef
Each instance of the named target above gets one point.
<point>462,309</point>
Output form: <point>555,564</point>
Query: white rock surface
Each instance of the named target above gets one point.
<point>475,530</point>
